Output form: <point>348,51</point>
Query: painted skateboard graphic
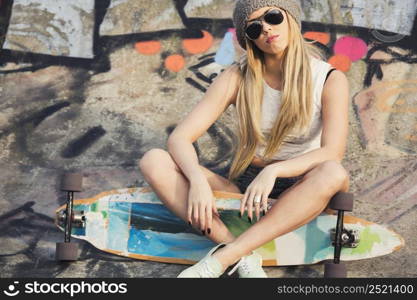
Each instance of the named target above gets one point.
<point>134,223</point>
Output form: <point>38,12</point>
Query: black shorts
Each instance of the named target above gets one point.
<point>281,183</point>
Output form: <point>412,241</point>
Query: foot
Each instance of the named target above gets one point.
<point>208,267</point>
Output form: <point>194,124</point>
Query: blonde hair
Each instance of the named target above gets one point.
<point>297,98</point>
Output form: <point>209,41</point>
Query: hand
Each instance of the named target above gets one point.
<point>201,205</point>
<point>259,188</point>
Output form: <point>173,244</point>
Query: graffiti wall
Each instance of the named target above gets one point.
<point>90,86</point>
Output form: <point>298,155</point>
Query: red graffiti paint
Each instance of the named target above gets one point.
<point>321,37</point>
<point>352,47</point>
<point>201,45</point>
<point>148,47</point>
<point>175,63</point>
<point>340,62</point>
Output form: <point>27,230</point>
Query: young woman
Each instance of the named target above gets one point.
<point>293,127</point>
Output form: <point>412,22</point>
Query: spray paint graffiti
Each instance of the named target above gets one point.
<point>104,110</point>
<point>64,27</point>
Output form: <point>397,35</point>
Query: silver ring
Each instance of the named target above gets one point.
<point>257,199</point>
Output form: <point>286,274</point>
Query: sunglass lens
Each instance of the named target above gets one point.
<point>274,17</point>
<point>254,30</point>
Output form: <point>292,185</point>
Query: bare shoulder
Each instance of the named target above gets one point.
<point>231,74</point>
<point>337,79</point>
<point>229,80</point>
<point>233,70</point>
<point>336,87</point>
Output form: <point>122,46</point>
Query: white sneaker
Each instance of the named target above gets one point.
<point>208,267</point>
<point>250,266</point>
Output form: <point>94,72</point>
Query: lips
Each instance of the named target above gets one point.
<point>271,38</point>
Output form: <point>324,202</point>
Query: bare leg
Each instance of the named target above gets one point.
<point>295,207</point>
<point>171,186</point>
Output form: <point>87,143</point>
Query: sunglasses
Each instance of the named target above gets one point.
<point>272,17</point>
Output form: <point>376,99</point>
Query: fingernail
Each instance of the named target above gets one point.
<point>209,231</point>
<point>250,220</point>
<point>204,232</point>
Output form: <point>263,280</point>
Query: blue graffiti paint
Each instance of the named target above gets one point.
<point>226,54</point>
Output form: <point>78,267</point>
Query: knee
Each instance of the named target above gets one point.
<point>332,176</point>
<point>151,159</point>
<point>335,170</point>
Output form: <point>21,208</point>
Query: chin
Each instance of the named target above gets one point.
<point>273,51</point>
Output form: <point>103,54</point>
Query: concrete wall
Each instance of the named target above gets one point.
<point>92,85</point>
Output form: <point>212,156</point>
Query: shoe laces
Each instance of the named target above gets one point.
<point>245,267</point>
<point>242,263</point>
<point>206,271</point>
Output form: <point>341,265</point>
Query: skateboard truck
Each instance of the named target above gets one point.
<point>68,251</point>
<point>341,202</point>
<point>78,218</point>
<point>349,237</point>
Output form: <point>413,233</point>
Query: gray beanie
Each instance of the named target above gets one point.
<point>244,8</point>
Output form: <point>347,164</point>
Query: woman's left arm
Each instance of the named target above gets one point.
<point>335,118</point>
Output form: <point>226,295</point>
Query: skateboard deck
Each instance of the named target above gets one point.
<point>134,223</point>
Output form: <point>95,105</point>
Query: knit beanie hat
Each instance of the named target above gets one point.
<point>244,8</point>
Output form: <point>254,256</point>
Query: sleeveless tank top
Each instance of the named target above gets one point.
<point>295,145</point>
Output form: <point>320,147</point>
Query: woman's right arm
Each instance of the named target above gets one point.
<point>221,93</point>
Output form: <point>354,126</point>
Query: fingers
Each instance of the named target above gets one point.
<point>264,204</point>
<point>202,209</point>
<point>248,201</point>
<point>214,208</point>
<point>249,205</point>
<point>215,211</point>
<point>243,203</point>
<point>209,220</point>
<point>189,214</point>
<point>196,219</point>
<point>254,201</point>
<point>201,216</point>
<point>257,203</point>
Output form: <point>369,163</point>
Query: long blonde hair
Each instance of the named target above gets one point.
<point>297,98</point>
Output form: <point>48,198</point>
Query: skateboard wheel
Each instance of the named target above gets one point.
<point>72,182</point>
<point>342,201</point>
<point>66,251</point>
<point>332,270</point>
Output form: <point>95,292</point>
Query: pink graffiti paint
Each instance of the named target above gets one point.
<point>352,47</point>
<point>232,31</point>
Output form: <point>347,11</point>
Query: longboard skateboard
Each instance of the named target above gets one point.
<point>134,223</point>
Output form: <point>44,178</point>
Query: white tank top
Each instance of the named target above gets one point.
<point>295,145</point>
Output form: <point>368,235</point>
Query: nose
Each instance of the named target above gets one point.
<point>265,26</point>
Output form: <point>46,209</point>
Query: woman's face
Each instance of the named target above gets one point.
<point>273,38</point>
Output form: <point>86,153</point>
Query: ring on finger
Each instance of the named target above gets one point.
<point>257,199</point>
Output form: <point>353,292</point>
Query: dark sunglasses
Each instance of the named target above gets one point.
<point>272,17</point>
